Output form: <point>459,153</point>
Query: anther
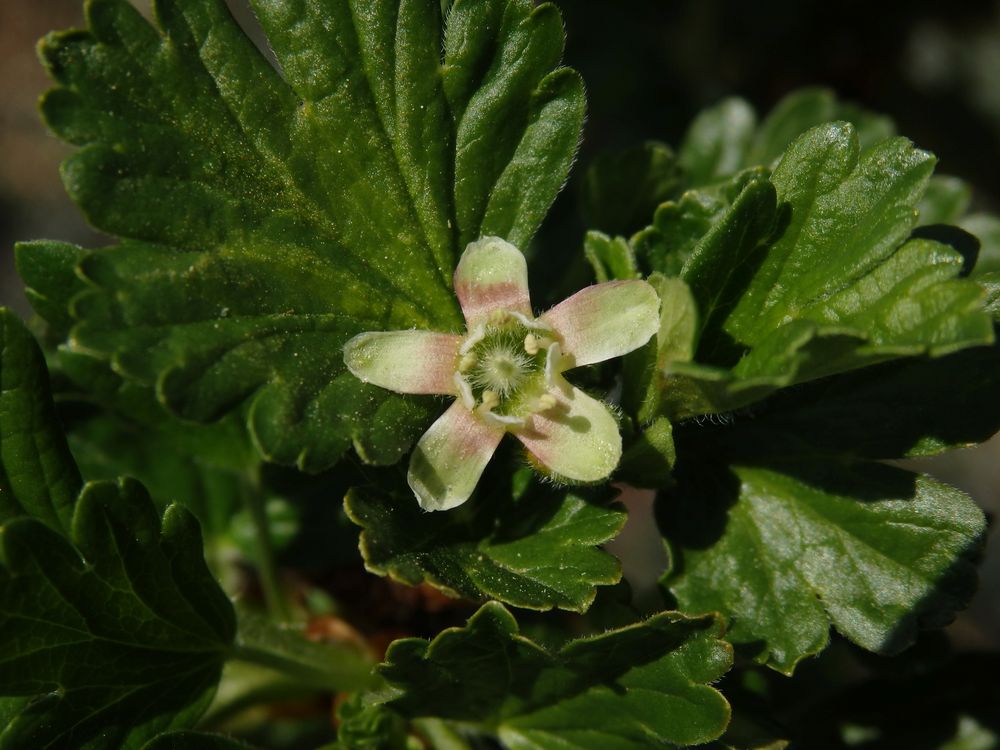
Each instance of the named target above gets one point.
<point>467,362</point>
<point>546,401</point>
<point>531,344</point>
<point>490,399</point>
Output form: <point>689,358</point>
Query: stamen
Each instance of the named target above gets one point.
<point>477,335</point>
<point>464,391</point>
<point>552,360</point>
<point>504,420</point>
<point>490,399</point>
<point>467,362</point>
<point>531,344</point>
<point>527,322</point>
<point>547,401</point>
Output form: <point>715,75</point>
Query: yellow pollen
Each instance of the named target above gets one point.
<point>546,401</point>
<point>467,362</point>
<point>531,344</point>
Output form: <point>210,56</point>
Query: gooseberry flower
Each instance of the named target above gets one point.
<point>506,374</point>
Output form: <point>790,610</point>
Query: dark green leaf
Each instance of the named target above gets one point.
<point>643,685</point>
<point>267,218</point>
<point>536,549</point>
<point>37,475</point>
<point>194,741</point>
<point>786,550</point>
<point>119,631</point>
<point>903,409</point>
<point>621,189</point>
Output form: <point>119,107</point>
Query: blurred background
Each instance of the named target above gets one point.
<point>650,65</point>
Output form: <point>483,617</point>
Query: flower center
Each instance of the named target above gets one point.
<point>502,368</point>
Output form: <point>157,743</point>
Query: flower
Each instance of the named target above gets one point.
<point>506,374</point>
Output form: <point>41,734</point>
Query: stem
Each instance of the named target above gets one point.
<point>267,569</point>
<point>352,672</point>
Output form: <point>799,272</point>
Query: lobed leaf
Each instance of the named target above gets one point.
<point>126,592</point>
<point>626,688</point>
<point>816,276</point>
<point>537,549</point>
<point>38,477</point>
<point>785,549</point>
<point>266,218</point>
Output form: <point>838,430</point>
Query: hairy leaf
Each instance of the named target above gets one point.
<point>628,688</point>
<point>37,475</point>
<point>787,549</point>
<point>726,138</point>
<point>120,631</point>
<point>267,218</point>
<point>816,275</point>
<point>537,549</point>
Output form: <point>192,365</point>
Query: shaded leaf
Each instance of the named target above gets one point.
<point>785,550</point>
<point>38,477</point>
<point>128,592</point>
<point>625,688</point>
<point>620,189</point>
<point>536,549</point>
<point>194,741</point>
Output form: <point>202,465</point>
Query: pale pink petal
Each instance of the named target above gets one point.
<point>605,320</point>
<point>405,361</point>
<point>450,457</point>
<point>492,275</point>
<point>576,439</point>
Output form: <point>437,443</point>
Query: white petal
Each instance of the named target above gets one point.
<point>492,275</point>
<point>605,320</point>
<point>405,361</point>
<point>450,458</point>
<point>577,439</point>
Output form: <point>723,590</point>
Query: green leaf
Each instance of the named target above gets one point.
<point>805,109</point>
<point>622,188</point>
<point>120,631</point>
<point>946,200</point>
<point>835,285</point>
<point>726,138</point>
<point>37,474</point>
<point>717,141</point>
<point>787,549</point>
<point>629,688</point>
<point>265,218</point>
<point>194,741</point>
<point>536,549</point>
<point>611,258</point>
<point>986,228</point>
<point>680,225</point>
